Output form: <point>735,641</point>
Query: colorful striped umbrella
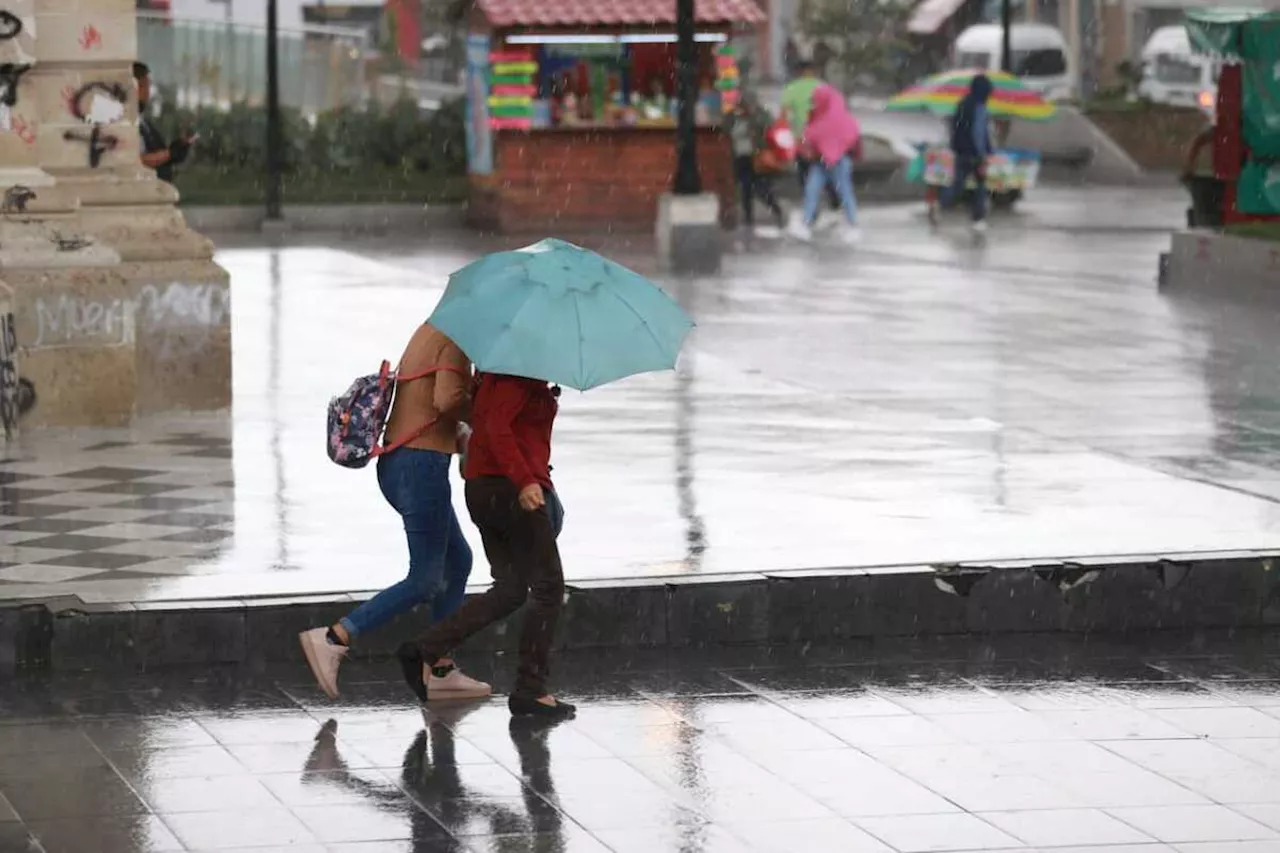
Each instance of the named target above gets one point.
<point>939,94</point>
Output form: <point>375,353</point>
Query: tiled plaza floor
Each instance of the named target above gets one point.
<point>1159,745</point>
<point>917,400</point>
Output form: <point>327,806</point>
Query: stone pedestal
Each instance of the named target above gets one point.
<point>688,233</point>
<point>118,306</point>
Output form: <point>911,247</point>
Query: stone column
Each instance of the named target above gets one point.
<point>147,326</point>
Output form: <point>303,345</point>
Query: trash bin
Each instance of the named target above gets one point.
<point>1206,201</point>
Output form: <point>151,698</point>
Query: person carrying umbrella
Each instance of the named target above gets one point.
<point>970,145</point>
<point>548,315</point>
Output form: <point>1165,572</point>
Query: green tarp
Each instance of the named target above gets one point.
<point>1261,84</point>
<point>1258,190</point>
<point>1223,32</point>
<point>1251,37</point>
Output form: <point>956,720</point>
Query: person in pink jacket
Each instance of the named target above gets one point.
<point>833,139</point>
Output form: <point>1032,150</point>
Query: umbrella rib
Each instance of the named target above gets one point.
<point>577,313</point>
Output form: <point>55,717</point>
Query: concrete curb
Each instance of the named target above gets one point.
<point>1136,593</point>
<point>374,218</point>
<point>1203,261</point>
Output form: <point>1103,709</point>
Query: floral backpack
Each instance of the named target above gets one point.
<point>358,417</point>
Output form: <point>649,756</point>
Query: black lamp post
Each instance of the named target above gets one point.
<point>1006,40</point>
<point>687,180</point>
<point>275,135</point>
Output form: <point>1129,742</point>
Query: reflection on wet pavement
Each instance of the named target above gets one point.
<point>918,401</point>
<point>1157,744</point>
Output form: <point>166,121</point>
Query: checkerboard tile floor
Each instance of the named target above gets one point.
<point>144,505</point>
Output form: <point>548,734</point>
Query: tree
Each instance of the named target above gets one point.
<point>857,42</point>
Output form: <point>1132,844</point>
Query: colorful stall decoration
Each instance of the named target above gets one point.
<point>512,87</point>
<point>728,80</point>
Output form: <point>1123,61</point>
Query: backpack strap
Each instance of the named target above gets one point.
<point>416,434</point>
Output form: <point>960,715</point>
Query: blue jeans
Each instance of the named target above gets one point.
<point>416,484</point>
<point>839,176</point>
<point>966,166</point>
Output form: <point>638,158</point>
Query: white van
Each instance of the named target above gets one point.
<point>1039,56</point>
<point>1172,73</point>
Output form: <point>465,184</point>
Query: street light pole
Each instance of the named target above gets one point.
<point>275,140</point>
<point>687,180</point>
<point>1006,40</point>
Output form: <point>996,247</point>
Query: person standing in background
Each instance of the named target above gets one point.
<point>747,126</point>
<point>971,146</point>
<point>156,153</point>
<point>797,101</point>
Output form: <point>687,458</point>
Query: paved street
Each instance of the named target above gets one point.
<point>918,399</point>
<point>1157,746</point>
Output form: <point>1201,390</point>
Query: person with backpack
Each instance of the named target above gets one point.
<point>971,146</point>
<point>430,399</point>
<point>512,500</point>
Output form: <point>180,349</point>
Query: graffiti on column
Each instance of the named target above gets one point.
<point>10,25</point>
<point>90,38</point>
<point>9,389</point>
<point>96,103</point>
<point>15,199</point>
<point>10,75</point>
<point>99,143</point>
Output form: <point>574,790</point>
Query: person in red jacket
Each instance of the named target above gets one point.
<point>512,501</point>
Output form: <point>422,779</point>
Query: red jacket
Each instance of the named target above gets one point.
<point>511,421</point>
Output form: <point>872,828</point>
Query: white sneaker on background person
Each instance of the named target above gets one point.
<point>799,231</point>
<point>324,658</point>
<point>768,232</point>
<point>980,227</point>
<point>851,235</point>
<point>449,682</point>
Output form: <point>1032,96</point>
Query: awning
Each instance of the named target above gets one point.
<point>932,14</point>
<point>614,13</point>
<point>1231,33</point>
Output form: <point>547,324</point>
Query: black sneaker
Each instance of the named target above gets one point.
<point>523,705</point>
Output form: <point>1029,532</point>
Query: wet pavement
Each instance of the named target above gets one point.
<point>919,399</point>
<point>1155,745</point>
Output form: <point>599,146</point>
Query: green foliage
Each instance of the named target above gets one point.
<point>861,41</point>
<point>349,139</point>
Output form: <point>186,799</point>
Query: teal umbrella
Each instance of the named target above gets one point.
<point>560,313</point>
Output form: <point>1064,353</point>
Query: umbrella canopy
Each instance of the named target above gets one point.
<point>560,313</point>
<point>941,93</point>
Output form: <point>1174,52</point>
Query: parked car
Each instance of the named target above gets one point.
<point>1040,56</point>
<point>1172,73</point>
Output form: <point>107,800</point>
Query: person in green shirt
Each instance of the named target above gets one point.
<point>797,101</point>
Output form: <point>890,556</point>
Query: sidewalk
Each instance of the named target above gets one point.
<point>1159,745</point>
<point>916,401</point>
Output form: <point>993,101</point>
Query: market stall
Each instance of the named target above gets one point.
<point>571,109</point>
<point>1246,136</point>
<point>1010,171</point>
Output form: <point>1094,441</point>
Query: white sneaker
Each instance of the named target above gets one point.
<point>980,227</point>
<point>768,232</point>
<point>456,685</point>
<point>798,230</point>
<point>324,658</point>
<point>851,235</point>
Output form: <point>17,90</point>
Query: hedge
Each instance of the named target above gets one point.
<point>400,137</point>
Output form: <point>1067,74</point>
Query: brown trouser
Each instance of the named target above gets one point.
<point>524,560</point>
